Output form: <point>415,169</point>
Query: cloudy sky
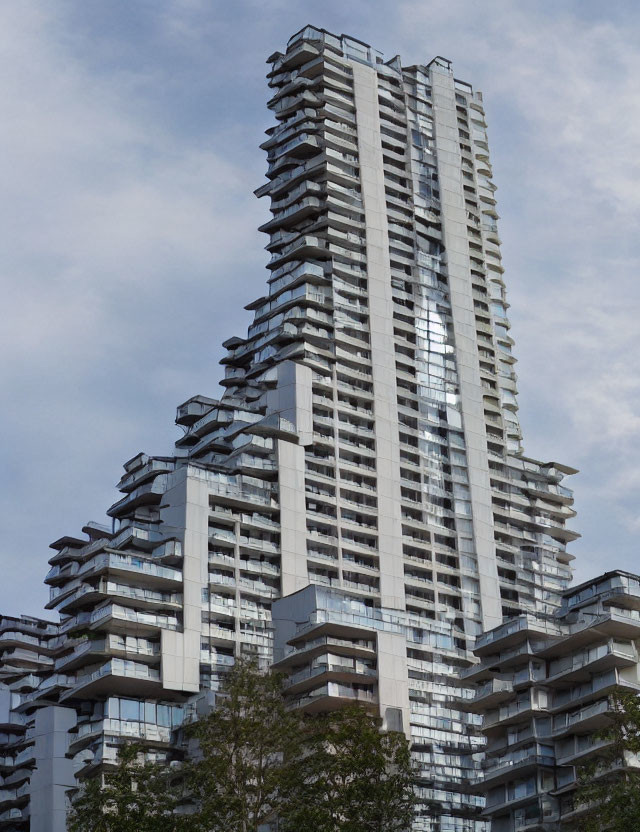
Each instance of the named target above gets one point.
<point>128,157</point>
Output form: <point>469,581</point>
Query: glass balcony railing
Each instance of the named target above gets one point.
<point>166,622</point>
<point>125,729</point>
<point>516,625</point>
<point>568,664</point>
<point>120,667</point>
<point>333,689</point>
<point>490,687</point>
<point>563,722</point>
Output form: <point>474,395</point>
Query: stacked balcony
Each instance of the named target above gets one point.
<point>544,689</point>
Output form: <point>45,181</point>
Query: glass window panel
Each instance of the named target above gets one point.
<point>130,709</point>
<point>164,716</point>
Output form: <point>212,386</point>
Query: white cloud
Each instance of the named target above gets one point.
<point>118,233</point>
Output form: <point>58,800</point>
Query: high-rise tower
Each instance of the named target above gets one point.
<point>367,443</point>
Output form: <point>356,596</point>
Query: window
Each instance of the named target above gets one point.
<point>164,716</point>
<point>130,709</point>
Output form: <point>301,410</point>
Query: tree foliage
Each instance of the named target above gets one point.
<point>349,776</point>
<point>242,743</point>
<point>607,785</point>
<point>136,797</point>
<point>255,762</point>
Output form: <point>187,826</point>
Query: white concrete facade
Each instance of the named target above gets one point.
<point>456,244</point>
<point>365,92</point>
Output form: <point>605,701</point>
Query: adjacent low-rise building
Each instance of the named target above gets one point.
<point>544,690</point>
<point>35,771</point>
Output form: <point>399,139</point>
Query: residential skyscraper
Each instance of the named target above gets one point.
<point>366,445</point>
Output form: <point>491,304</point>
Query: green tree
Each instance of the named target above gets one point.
<point>349,776</point>
<point>136,797</point>
<point>236,779</point>
<point>609,787</point>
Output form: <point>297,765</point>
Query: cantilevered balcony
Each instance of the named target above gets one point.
<point>18,658</point>
<point>84,594</point>
<point>511,632</point>
<point>333,696</point>
<point>87,732</point>
<point>90,651</point>
<point>487,696</point>
<point>515,765</point>
<point>114,617</point>
<point>149,493</point>
<point>363,648</point>
<point>526,705</point>
<point>150,469</point>
<point>298,55</point>
<point>193,409</point>
<point>587,720</point>
<point>582,666</point>
<point>120,676</point>
<point>308,678</point>
<point>289,216</point>
<point>303,246</point>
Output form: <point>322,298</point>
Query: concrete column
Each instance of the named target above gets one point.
<point>365,84</point>
<point>188,512</point>
<point>454,227</point>
<point>293,512</point>
<point>293,399</point>
<point>53,774</point>
<point>393,679</point>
